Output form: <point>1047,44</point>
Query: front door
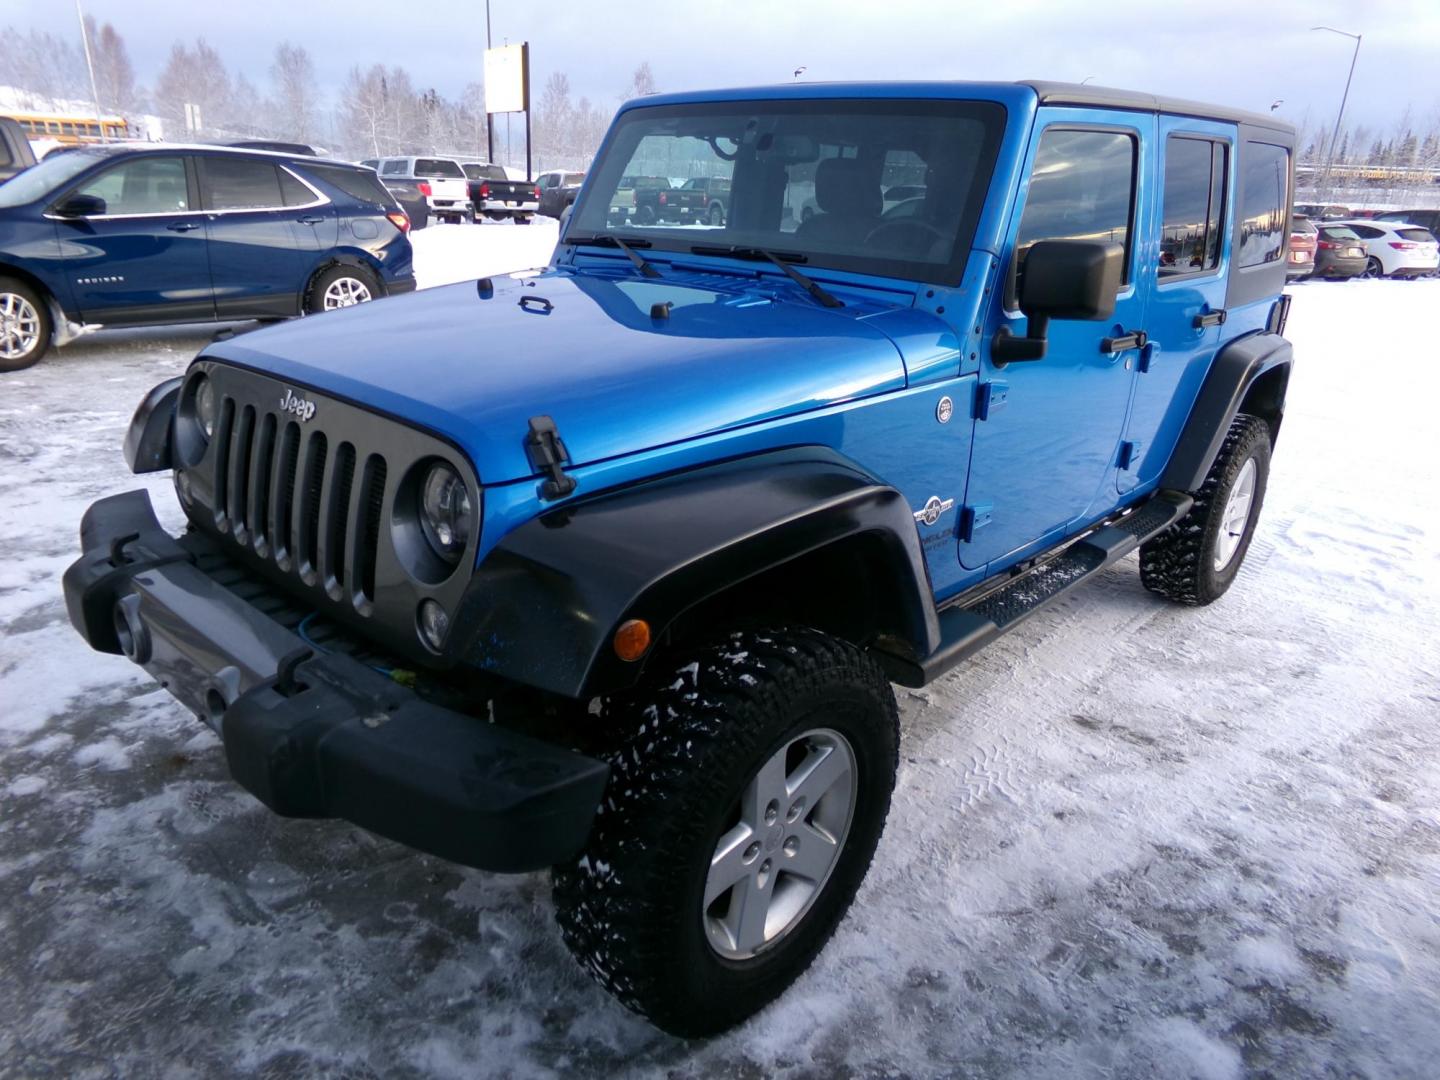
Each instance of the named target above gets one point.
<point>143,260</point>
<point>257,263</point>
<point>1046,450</point>
<point>1187,300</point>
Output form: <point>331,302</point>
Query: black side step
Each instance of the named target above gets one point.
<point>972,622</point>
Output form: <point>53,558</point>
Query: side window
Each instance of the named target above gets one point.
<point>1081,188</point>
<point>228,183</point>
<point>1192,206</point>
<point>1264,198</point>
<point>142,185</point>
<point>293,191</point>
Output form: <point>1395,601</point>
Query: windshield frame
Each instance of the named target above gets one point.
<point>617,153</point>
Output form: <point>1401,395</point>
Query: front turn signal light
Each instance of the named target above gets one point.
<point>632,639</point>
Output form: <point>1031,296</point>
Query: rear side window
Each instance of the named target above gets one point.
<point>239,184</point>
<point>142,185</point>
<point>1369,232</point>
<point>357,183</point>
<point>1193,205</point>
<point>438,167</point>
<point>1264,199</point>
<point>1081,188</point>
<point>293,191</point>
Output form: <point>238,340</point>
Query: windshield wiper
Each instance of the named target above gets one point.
<point>780,260</point>
<point>628,247</point>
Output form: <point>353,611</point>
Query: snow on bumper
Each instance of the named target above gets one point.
<point>323,735</point>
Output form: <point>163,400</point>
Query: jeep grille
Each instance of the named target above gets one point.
<point>308,500</point>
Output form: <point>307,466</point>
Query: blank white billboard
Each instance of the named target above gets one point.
<point>507,78</point>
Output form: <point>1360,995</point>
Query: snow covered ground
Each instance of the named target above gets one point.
<point>1130,840</point>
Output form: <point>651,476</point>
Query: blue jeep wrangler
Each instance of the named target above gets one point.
<point>611,567</point>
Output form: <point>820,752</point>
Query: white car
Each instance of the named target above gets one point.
<point>1396,249</point>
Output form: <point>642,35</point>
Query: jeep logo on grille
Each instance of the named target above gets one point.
<point>292,403</point>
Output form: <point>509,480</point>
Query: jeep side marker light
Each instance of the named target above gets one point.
<point>632,638</point>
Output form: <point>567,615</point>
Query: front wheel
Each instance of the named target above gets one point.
<point>340,287</point>
<point>1195,560</point>
<point>24,325</point>
<point>741,816</point>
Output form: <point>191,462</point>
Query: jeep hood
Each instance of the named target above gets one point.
<point>473,365</point>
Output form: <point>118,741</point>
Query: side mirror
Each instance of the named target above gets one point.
<point>1063,279</point>
<point>78,206</point>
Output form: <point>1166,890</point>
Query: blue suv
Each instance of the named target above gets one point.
<point>615,574</point>
<point>135,236</point>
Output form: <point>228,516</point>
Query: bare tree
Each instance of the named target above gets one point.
<point>43,64</point>
<point>195,77</point>
<point>292,80</point>
<point>114,74</point>
<point>642,82</point>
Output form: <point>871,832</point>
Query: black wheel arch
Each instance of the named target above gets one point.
<point>802,535</point>
<point>1249,375</point>
<point>343,258</point>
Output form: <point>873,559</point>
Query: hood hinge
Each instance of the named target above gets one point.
<point>546,451</point>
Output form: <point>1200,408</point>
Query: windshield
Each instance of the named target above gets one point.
<point>885,187</point>
<point>438,167</point>
<point>52,173</point>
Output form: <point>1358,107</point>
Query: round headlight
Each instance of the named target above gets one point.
<point>446,512</point>
<point>205,404</point>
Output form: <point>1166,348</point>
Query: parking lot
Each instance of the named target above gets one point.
<point>1131,839</point>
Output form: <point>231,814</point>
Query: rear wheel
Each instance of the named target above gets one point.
<point>741,816</point>
<point>340,287</point>
<point>1195,560</point>
<point>25,326</point>
<point>1374,268</point>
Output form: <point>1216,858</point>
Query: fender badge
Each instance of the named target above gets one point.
<point>944,409</point>
<point>930,513</point>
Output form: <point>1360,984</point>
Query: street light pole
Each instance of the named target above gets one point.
<point>489,125</point>
<point>1335,138</point>
<point>90,65</point>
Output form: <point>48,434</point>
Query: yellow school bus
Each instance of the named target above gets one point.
<point>71,130</point>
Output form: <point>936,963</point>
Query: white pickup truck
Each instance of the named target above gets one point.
<point>448,191</point>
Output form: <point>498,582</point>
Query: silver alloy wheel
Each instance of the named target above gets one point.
<point>346,292</point>
<point>769,867</point>
<point>1236,515</point>
<point>19,326</point>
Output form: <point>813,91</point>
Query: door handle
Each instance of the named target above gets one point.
<point>311,220</point>
<point>1134,339</point>
<point>182,226</point>
<point>536,304</point>
<point>1210,318</point>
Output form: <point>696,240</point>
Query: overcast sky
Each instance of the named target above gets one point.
<point>1247,53</point>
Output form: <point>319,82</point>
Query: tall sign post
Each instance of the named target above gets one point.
<point>507,90</point>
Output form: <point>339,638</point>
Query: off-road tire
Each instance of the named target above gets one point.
<point>1179,564</point>
<point>15,287</point>
<point>630,907</point>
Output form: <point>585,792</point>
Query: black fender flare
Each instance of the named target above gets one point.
<point>1249,374</point>
<point>544,605</point>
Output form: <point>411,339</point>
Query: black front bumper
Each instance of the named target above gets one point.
<point>323,735</point>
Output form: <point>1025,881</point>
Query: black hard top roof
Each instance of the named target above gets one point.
<point>1059,93</point>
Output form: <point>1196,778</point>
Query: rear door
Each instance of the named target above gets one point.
<point>258,245</point>
<point>143,260</point>
<point>1186,277</point>
<point>1045,454</point>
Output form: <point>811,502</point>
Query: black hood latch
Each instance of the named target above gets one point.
<point>546,451</point>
